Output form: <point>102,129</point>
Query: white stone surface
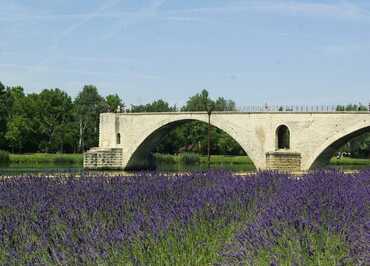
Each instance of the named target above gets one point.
<point>310,133</point>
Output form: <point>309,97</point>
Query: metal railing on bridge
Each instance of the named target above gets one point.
<point>288,108</point>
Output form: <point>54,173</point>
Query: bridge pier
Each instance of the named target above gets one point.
<point>282,160</point>
<point>103,158</point>
<point>112,159</point>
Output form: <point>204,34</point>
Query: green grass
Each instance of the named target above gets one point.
<point>46,158</point>
<point>349,161</point>
<point>215,159</point>
<point>189,158</point>
<point>226,159</point>
<point>62,158</point>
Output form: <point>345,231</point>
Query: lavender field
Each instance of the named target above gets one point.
<point>213,218</point>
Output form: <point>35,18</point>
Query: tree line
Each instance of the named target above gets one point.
<point>52,121</point>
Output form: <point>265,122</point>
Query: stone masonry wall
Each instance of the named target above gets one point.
<point>283,161</point>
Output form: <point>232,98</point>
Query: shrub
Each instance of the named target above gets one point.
<point>189,158</point>
<point>165,158</point>
<point>42,158</point>
<point>4,157</point>
<point>64,160</point>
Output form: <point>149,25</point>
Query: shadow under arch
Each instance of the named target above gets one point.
<point>142,158</point>
<point>323,158</point>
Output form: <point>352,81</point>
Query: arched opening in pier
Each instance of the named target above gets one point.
<point>184,144</point>
<point>282,138</point>
<point>348,152</point>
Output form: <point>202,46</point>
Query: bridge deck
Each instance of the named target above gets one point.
<point>235,112</point>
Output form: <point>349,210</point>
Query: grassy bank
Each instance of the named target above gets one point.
<point>203,159</point>
<point>46,158</point>
<point>62,158</point>
<point>349,161</point>
<point>225,159</point>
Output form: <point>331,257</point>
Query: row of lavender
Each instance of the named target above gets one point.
<point>193,219</point>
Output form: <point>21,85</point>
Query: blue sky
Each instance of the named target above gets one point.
<point>254,52</point>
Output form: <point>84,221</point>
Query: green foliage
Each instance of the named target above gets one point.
<point>352,107</point>
<point>165,158</point>
<point>53,118</point>
<point>17,128</point>
<point>4,113</point>
<point>349,161</point>
<point>114,103</point>
<point>359,147</point>
<point>200,102</point>
<point>41,158</point>
<point>156,106</point>
<point>215,159</point>
<point>189,158</point>
<point>192,135</point>
<point>88,106</point>
<point>4,157</point>
<point>50,122</point>
<point>222,160</point>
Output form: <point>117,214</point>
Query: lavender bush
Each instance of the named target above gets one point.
<point>187,219</point>
<point>321,219</point>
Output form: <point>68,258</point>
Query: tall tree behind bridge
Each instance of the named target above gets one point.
<point>114,102</point>
<point>192,136</point>
<point>153,107</point>
<point>88,106</point>
<point>4,113</point>
<point>54,118</point>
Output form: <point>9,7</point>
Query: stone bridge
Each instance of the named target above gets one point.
<point>291,141</point>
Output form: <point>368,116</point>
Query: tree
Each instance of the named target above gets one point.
<point>197,103</point>
<point>4,113</point>
<point>54,117</point>
<point>224,105</point>
<point>114,103</point>
<point>209,106</point>
<point>155,106</point>
<point>17,128</point>
<point>352,107</point>
<point>17,125</point>
<point>88,106</point>
<point>192,136</point>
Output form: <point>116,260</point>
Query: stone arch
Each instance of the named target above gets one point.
<point>326,151</point>
<point>282,136</point>
<point>148,142</point>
